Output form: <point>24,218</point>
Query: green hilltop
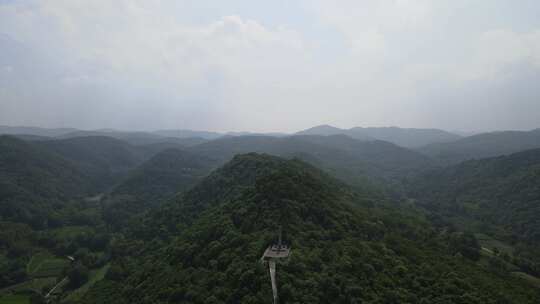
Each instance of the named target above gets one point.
<point>205,246</point>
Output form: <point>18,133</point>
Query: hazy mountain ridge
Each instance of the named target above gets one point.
<point>404,137</point>
<point>354,161</point>
<point>483,146</point>
<point>400,136</point>
<point>137,138</point>
<point>47,132</point>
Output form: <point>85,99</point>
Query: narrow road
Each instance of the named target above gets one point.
<point>272,266</point>
<point>55,286</point>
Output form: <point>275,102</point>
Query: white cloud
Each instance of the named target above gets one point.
<point>500,49</point>
<point>142,37</point>
<point>238,70</point>
<point>141,48</point>
<point>366,24</point>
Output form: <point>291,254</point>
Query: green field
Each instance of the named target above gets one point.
<point>529,278</point>
<point>491,243</point>
<point>14,299</point>
<point>70,232</point>
<point>95,276</point>
<point>50,267</point>
<point>36,260</point>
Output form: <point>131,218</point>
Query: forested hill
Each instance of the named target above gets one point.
<point>205,246</point>
<point>105,159</point>
<point>156,180</point>
<point>33,181</point>
<point>504,191</point>
<point>354,161</point>
<point>165,174</point>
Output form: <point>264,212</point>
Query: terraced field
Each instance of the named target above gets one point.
<point>527,277</point>
<point>36,260</point>
<point>95,276</point>
<point>14,299</point>
<point>51,268</point>
<point>43,266</point>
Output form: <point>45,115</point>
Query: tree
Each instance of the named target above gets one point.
<point>78,276</point>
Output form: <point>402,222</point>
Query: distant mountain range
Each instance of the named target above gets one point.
<point>442,146</point>
<point>409,138</point>
<point>8,130</point>
<point>483,145</point>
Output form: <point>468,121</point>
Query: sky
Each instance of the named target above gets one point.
<point>270,66</point>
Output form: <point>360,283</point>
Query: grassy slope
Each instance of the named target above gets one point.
<point>14,299</point>
<point>95,276</point>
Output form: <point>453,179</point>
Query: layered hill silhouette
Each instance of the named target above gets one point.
<point>158,179</point>
<point>205,245</point>
<point>354,161</point>
<point>166,173</point>
<point>105,159</point>
<point>405,137</point>
<point>409,138</point>
<point>39,177</point>
<point>483,146</point>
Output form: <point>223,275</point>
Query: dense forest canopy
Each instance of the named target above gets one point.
<point>501,194</point>
<point>346,248</point>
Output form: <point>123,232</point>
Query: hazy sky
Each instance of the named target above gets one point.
<point>279,65</point>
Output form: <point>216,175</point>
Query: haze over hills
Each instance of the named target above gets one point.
<point>483,145</point>
<point>156,152</point>
<point>137,138</point>
<point>402,137</point>
<point>409,138</point>
<point>352,160</point>
<point>105,159</point>
<point>48,132</point>
<point>188,133</point>
<point>442,145</point>
<point>132,137</point>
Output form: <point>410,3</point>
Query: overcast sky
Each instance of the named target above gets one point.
<point>279,65</point>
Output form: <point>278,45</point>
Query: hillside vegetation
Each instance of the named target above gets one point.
<point>205,246</point>
<point>502,194</point>
<point>34,181</point>
<point>357,162</point>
